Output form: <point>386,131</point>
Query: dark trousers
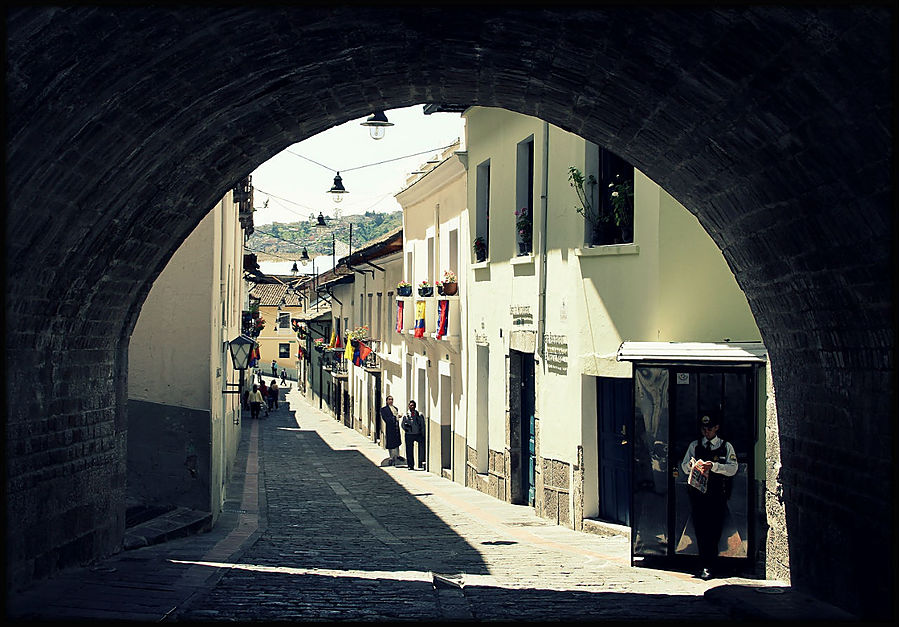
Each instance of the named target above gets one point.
<point>708,518</point>
<point>410,441</point>
<point>254,409</point>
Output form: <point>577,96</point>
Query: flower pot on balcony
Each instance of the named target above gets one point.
<point>404,291</point>
<point>426,291</point>
<point>450,289</point>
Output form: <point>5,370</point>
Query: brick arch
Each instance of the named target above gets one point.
<point>125,126</point>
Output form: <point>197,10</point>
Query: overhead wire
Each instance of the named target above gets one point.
<point>369,165</point>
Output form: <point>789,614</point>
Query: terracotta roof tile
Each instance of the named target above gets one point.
<point>270,295</point>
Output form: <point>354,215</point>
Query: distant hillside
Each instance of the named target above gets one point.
<point>288,239</point>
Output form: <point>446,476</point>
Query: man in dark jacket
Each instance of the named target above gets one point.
<point>414,427</point>
<point>391,430</point>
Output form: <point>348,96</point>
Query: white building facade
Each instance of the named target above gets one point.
<point>564,327</point>
<point>433,323</point>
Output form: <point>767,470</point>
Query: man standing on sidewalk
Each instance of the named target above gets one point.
<point>717,461</point>
<point>414,427</point>
<point>389,416</point>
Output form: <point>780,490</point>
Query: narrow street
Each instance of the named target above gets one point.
<point>346,538</point>
<point>315,528</point>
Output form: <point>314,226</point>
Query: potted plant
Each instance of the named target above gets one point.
<point>404,288</point>
<point>601,225</point>
<point>621,195</point>
<point>450,283</point>
<point>525,225</point>
<point>359,333</point>
<point>319,344</point>
<point>425,288</point>
<point>480,249</point>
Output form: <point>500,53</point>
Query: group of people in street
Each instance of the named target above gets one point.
<point>413,426</point>
<point>264,397</point>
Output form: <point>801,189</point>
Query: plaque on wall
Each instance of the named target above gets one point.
<point>555,349</point>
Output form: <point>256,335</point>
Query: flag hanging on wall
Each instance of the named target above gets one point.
<point>362,351</point>
<point>255,356</point>
<point>333,338</point>
<point>337,342</point>
<point>442,317</point>
<point>399,316</point>
<point>419,318</point>
<point>348,353</point>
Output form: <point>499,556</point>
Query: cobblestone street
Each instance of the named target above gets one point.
<point>315,527</point>
<point>347,538</point>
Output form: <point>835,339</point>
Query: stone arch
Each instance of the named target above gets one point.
<point>125,126</point>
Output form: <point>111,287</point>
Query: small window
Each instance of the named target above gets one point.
<point>482,212</point>
<point>615,191</point>
<point>283,319</point>
<point>524,196</point>
<point>283,350</point>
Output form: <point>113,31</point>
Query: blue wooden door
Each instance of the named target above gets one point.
<point>529,436</point>
<point>614,402</point>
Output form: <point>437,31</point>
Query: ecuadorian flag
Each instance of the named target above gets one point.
<point>362,351</point>
<point>420,318</point>
<point>442,317</point>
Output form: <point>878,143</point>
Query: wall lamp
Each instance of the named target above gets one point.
<point>240,348</point>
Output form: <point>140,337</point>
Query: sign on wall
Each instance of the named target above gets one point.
<point>556,353</point>
<point>521,315</point>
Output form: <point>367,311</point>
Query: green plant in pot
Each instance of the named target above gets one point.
<point>601,223</point>
<point>524,225</point>
<point>621,195</point>
<point>480,249</point>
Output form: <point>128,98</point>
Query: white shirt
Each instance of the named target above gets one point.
<point>728,468</point>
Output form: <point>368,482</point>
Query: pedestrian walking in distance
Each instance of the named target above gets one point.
<point>263,389</point>
<point>390,418</point>
<point>283,377</point>
<point>414,428</point>
<point>274,368</point>
<point>255,402</point>
<point>273,395</point>
<point>717,460</point>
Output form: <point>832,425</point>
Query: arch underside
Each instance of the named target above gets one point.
<point>126,126</point>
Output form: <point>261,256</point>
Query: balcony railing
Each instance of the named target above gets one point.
<point>373,361</point>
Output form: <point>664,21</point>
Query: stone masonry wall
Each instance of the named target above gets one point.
<point>772,124</point>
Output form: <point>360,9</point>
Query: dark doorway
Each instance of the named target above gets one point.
<point>523,426</point>
<point>668,402</point>
<point>614,413</point>
<point>374,404</point>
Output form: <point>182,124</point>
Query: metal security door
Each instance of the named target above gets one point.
<point>614,404</point>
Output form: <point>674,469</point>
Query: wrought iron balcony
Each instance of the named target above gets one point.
<point>373,361</point>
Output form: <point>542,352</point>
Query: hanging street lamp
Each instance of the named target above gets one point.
<point>337,189</point>
<point>377,124</point>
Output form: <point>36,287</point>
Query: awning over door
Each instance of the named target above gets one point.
<point>680,352</point>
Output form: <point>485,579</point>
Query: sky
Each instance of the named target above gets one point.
<point>296,181</point>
